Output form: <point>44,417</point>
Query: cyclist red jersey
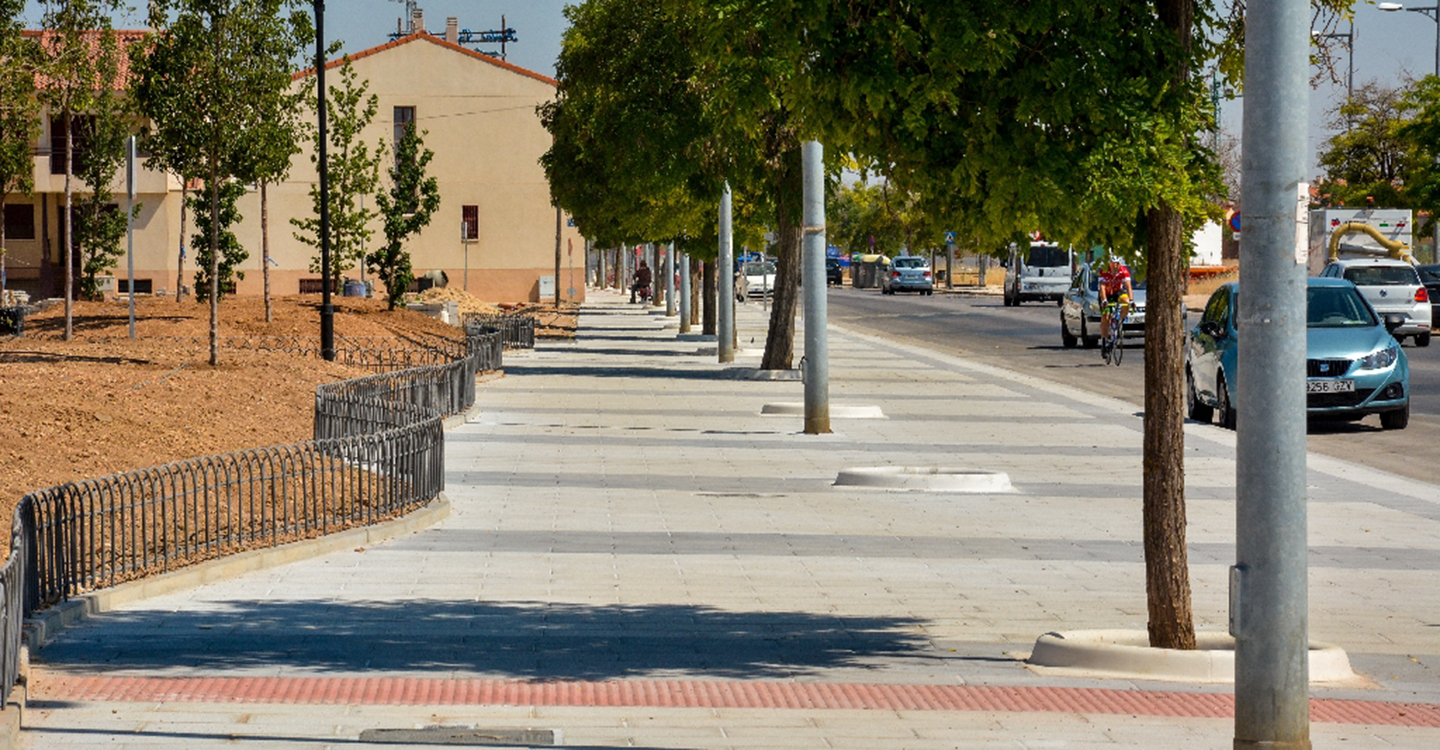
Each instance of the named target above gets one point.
<point>1114,279</point>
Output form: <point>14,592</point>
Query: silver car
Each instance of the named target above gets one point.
<point>908,273</point>
<point>1080,311</point>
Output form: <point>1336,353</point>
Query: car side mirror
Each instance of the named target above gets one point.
<point>1393,321</point>
<point>1211,328</point>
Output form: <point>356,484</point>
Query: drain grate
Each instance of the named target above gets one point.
<point>442,735</point>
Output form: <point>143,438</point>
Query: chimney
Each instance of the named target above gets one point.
<point>452,30</point>
<point>417,22</point>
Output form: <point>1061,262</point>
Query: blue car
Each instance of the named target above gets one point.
<point>1354,366</point>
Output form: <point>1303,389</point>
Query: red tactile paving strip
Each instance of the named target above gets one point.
<point>697,694</point>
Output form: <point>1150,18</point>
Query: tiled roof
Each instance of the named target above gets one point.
<point>125,37</point>
<point>437,40</point>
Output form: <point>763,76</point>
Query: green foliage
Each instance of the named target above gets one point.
<point>354,172</point>
<point>1370,155</point>
<point>232,253</point>
<point>99,228</point>
<point>19,107</point>
<point>407,208</point>
<point>876,219</point>
<point>1421,130</point>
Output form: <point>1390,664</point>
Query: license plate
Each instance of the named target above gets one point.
<point>1329,386</point>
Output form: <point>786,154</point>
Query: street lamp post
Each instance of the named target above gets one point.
<point>1349,38</point>
<point>327,308</point>
<point>1432,12</point>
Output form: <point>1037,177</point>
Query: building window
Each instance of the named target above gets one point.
<point>142,286</point>
<point>404,118</point>
<point>19,221</point>
<point>84,126</point>
<point>470,220</point>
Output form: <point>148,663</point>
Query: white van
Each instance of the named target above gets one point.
<point>1042,272</point>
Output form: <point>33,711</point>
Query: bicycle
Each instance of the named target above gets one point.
<point>1112,343</point>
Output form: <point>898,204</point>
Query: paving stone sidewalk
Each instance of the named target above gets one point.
<point>637,557</point>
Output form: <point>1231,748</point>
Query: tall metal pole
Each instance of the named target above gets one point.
<point>685,293</point>
<point>725,275</point>
<point>559,220</point>
<point>950,264</point>
<point>1268,610</point>
<point>670,280</point>
<point>817,347</point>
<point>130,170</point>
<point>327,310</point>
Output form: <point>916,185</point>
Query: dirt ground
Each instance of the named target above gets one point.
<point>103,403</point>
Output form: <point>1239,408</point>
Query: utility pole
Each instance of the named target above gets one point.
<point>559,221</point>
<point>817,348</point>
<point>725,276</point>
<point>327,309</point>
<point>685,293</point>
<point>1268,598</point>
<point>670,280</point>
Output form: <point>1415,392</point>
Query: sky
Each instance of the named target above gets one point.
<point>1389,46</point>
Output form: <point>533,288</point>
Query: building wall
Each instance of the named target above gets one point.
<point>482,125</point>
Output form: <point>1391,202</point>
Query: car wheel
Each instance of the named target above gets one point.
<point>1226,409</point>
<point>1066,337</point>
<point>1396,420</point>
<point>1399,340</point>
<point>1200,412</point>
<point>1090,341</point>
<point>1422,339</point>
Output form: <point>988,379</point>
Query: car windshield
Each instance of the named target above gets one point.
<point>1382,276</point>
<point>909,262</point>
<point>756,269</point>
<point>1047,256</point>
<point>1336,307</point>
<point>1429,274</point>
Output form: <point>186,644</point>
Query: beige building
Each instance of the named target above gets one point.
<point>493,234</point>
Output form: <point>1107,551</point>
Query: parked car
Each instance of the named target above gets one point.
<point>1080,310</point>
<point>908,273</point>
<point>834,272</point>
<point>1040,272</point>
<point>1391,286</point>
<point>759,277</point>
<point>1430,277</point>
<point>1354,365</point>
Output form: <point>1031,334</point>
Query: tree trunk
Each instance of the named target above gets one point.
<point>265,250</point>
<point>180,261</point>
<point>694,310</point>
<point>214,187</point>
<point>780,339</point>
<point>69,228</point>
<point>1167,569</point>
<point>711,288</point>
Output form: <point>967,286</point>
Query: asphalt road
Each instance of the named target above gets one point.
<point>1027,339</point>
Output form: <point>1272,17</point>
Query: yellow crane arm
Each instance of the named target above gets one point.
<point>1395,249</point>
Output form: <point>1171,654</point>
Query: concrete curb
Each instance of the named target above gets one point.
<point>44,625</point>
<point>1126,654</point>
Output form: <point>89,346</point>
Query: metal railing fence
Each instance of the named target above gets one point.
<point>518,330</point>
<point>378,453</point>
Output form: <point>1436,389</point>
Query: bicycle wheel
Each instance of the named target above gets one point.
<point>1118,351</point>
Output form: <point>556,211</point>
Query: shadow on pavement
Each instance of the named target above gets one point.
<point>510,640</point>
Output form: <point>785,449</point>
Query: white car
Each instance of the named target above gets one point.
<point>1392,287</point>
<point>1040,272</point>
<point>759,277</point>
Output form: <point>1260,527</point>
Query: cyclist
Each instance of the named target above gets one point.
<point>1114,282</point>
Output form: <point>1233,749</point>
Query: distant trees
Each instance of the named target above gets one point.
<point>100,225</point>
<point>354,172</point>
<point>1369,155</point>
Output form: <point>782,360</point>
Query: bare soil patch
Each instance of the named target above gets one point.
<point>103,403</point>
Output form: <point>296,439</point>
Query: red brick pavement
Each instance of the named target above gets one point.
<point>697,694</point>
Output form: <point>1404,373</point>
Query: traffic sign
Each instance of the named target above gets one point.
<point>949,238</point>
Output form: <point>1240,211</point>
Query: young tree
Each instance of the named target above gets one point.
<point>208,83</point>
<point>19,115</point>
<point>232,253</point>
<point>407,208</point>
<point>81,62</point>
<point>99,227</point>
<point>280,136</point>
<point>354,174</point>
